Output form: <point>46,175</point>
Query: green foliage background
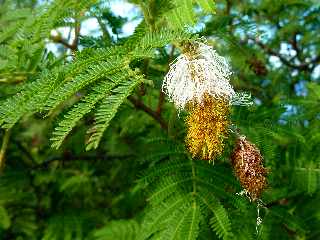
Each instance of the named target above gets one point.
<point>91,149</point>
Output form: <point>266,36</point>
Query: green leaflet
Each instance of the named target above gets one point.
<point>95,95</point>
<point>108,109</point>
<point>67,226</point>
<point>120,230</point>
<point>220,222</point>
<point>93,73</point>
<point>185,15</point>
<point>184,223</point>
<point>190,228</point>
<point>156,217</point>
<point>207,5</point>
<point>31,99</point>
<point>5,221</point>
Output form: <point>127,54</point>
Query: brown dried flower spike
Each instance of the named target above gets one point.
<point>247,163</point>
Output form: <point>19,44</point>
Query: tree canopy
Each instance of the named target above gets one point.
<point>93,149</point>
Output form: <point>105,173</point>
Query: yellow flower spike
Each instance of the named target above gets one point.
<point>207,125</point>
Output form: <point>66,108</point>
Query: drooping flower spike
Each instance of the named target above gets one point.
<point>199,81</point>
<point>208,124</point>
<point>247,163</point>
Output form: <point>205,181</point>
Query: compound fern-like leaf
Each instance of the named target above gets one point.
<point>108,109</point>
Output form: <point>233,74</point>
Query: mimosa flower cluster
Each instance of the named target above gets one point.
<point>199,81</point>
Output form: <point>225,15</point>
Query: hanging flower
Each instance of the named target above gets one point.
<point>196,72</point>
<point>248,167</point>
<point>199,81</point>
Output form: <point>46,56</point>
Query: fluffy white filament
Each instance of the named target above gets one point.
<point>189,79</point>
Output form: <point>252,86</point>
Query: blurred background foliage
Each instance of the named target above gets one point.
<point>136,180</point>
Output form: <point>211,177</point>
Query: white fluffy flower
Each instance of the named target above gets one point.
<point>193,75</point>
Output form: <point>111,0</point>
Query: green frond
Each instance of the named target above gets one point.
<point>157,216</point>
<point>11,16</point>
<point>75,183</point>
<point>158,156</point>
<point>190,229</point>
<point>108,109</point>
<point>67,226</point>
<point>169,186</point>
<point>307,178</point>
<point>90,57</point>
<point>163,169</point>
<point>99,91</point>
<point>5,221</point>
<point>31,99</point>
<point>152,40</point>
<point>93,73</point>
<point>184,13</point>
<point>193,183</point>
<point>207,5</point>
<point>119,230</point>
<point>280,215</point>
<point>184,223</point>
<point>220,222</point>
<point>212,179</point>
<point>163,148</point>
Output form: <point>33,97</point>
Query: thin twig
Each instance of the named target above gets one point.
<point>160,102</point>
<point>228,7</point>
<point>193,169</point>
<point>74,45</point>
<point>104,30</point>
<point>64,42</point>
<point>140,105</point>
<point>302,66</point>
<point>4,147</point>
<point>77,29</point>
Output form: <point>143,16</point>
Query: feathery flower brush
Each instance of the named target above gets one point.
<point>198,80</point>
<point>199,71</point>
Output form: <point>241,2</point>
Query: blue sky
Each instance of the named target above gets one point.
<point>91,27</point>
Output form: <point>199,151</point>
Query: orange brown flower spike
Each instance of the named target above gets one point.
<point>247,163</point>
<point>207,127</point>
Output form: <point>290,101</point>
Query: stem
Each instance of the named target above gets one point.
<point>194,185</point>
<point>4,147</point>
<point>147,10</point>
<point>74,45</point>
<point>64,42</point>
<point>303,66</point>
<point>77,29</point>
<point>104,30</point>
<point>140,105</point>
